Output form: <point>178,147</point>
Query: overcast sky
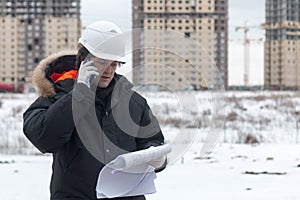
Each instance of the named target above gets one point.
<point>252,11</point>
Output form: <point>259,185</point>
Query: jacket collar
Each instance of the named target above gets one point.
<point>40,76</point>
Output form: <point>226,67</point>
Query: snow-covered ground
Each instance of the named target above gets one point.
<point>218,176</point>
<point>222,175</point>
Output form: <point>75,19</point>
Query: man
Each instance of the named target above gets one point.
<point>81,115</point>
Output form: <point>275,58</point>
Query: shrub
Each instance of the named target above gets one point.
<point>231,116</point>
<point>251,139</point>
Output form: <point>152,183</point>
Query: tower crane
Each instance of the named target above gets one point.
<point>246,43</point>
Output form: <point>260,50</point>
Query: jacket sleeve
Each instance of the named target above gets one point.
<point>150,133</point>
<point>151,136</point>
<point>49,124</point>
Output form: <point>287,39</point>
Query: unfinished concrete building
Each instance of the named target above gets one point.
<point>31,30</point>
<point>282,45</point>
<point>180,44</point>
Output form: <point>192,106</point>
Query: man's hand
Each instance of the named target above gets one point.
<point>86,72</point>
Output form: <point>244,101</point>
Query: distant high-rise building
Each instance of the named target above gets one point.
<point>180,44</point>
<point>282,45</point>
<point>33,29</point>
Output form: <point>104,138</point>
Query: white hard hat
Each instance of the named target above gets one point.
<point>104,40</point>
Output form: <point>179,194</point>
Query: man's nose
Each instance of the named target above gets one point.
<point>108,69</point>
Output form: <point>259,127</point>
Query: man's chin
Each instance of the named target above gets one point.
<point>103,84</point>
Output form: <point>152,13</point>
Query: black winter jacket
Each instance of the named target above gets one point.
<point>52,127</point>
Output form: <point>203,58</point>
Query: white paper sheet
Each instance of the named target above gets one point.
<point>129,174</point>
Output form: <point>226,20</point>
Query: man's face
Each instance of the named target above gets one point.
<point>106,69</point>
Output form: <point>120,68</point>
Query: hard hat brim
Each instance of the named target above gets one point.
<point>102,55</point>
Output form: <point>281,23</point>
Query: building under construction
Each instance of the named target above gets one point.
<point>282,45</point>
<point>180,44</point>
<point>31,30</point>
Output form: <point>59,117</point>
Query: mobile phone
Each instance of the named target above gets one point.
<point>87,59</point>
<point>92,77</point>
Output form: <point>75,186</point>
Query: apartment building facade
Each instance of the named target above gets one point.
<point>180,44</point>
<point>282,45</point>
<point>31,30</point>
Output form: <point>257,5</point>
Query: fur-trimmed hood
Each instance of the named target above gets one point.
<point>58,62</point>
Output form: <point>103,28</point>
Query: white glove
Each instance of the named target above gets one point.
<point>157,163</point>
<point>86,72</point>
